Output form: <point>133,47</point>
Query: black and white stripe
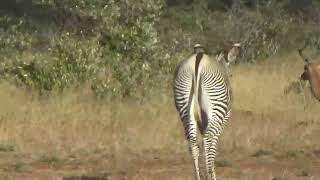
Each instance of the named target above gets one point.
<point>201,88</point>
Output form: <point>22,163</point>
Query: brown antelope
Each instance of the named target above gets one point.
<point>312,74</point>
<point>229,54</point>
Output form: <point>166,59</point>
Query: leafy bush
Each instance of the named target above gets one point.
<point>118,59</point>
<point>263,31</point>
<point>131,48</point>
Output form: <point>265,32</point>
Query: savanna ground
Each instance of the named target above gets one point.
<point>273,134</point>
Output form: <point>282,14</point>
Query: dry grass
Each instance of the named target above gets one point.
<point>75,125</point>
<point>72,121</point>
<point>267,118</point>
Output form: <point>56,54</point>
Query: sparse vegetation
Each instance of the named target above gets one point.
<point>291,154</point>
<point>86,85</point>
<point>6,148</point>
<point>304,173</point>
<point>223,163</point>
<point>261,152</point>
<point>50,158</point>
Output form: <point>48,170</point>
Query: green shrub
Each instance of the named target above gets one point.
<point>117,60</point>
<point>131,48</point>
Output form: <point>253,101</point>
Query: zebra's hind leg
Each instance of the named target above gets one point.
<point>190,126</point>
<point>210,144</point>
<point>194,149</point>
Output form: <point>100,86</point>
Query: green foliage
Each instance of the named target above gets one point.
<point>125,48</point>
<point>13,37</point>
<point>130,45</point>
<point>117,60</point>
<point>263,31</point>
<point>260,35</point>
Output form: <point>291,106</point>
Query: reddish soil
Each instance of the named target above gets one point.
<point>176,167</point>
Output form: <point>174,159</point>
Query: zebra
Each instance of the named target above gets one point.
<point>203,99</point>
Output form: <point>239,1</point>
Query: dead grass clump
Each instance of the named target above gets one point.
<point>7,148</point>
<point>223,163</point>
<point>261,152</point>
<point>76,122</point>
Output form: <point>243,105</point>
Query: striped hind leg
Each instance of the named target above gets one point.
<point>190,126</point>
<point>210,142</point>
<point>210,147</point>
<point>194,149</point>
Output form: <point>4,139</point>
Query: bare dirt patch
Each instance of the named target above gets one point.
<point>174,167</point>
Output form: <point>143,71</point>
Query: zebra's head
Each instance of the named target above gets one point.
<point>197,48</point>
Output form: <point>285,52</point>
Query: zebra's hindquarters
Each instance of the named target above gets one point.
<point>215,100</point>
<point>185,105</point>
